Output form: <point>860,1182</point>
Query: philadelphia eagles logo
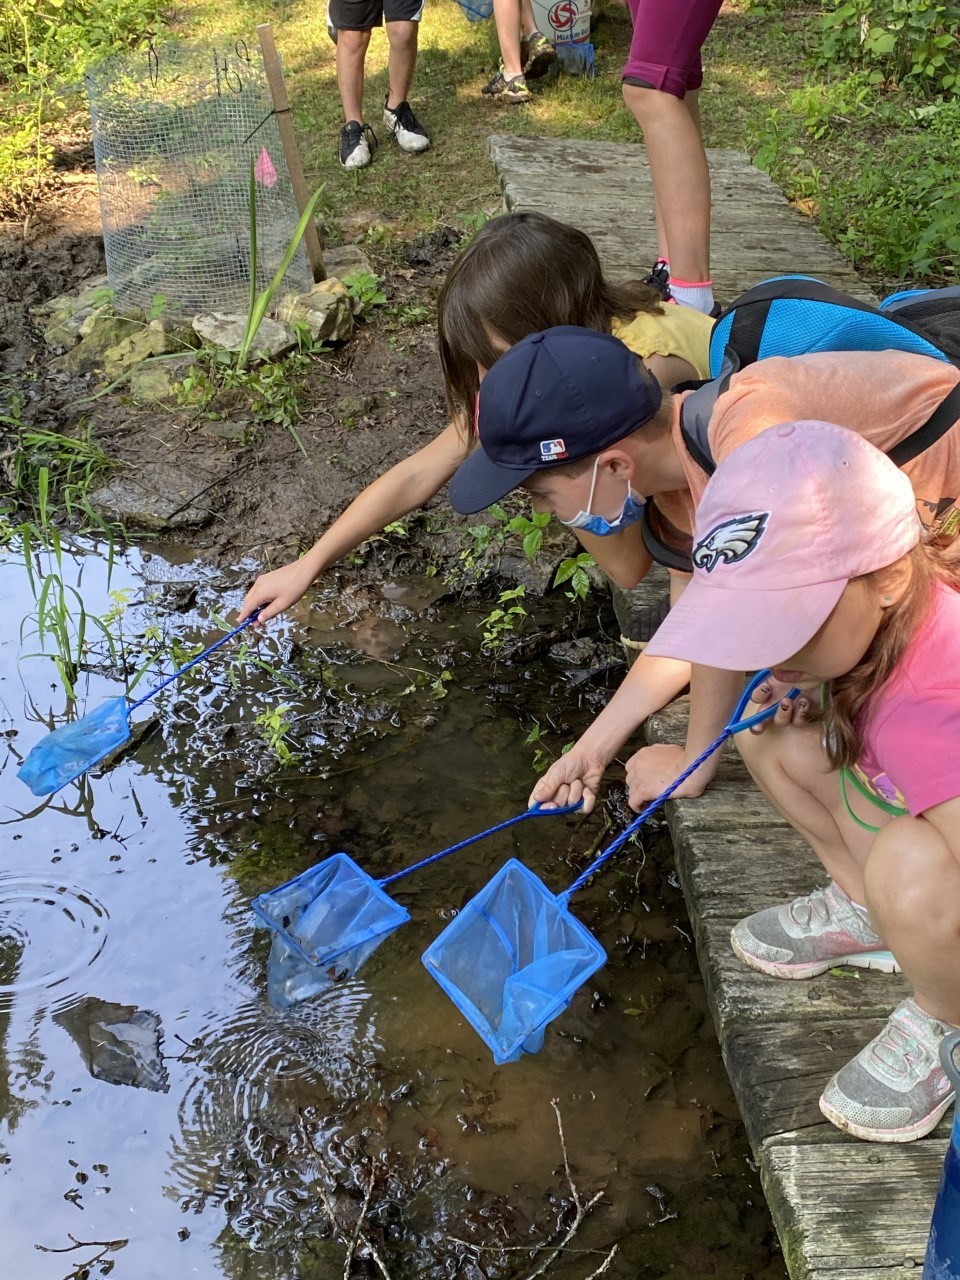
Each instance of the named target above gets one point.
<point>731,541</point>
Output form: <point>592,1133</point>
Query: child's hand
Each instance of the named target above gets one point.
<point>790,710</point>
<point>652,769</point>
<point>275,591</point>
<point>575,776</point>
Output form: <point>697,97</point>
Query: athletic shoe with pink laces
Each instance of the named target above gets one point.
<point>894,1090</point>
<point>809,936</point>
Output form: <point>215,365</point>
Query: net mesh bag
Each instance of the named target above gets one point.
<point>73,748</point>
<point>330,919</point>
<point>175,133</point>
<point>512,960</point>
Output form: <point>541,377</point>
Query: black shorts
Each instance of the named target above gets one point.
<point>362,15</point>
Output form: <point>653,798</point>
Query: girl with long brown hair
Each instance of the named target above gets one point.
<point>810,559</point>
<point>521,273</point>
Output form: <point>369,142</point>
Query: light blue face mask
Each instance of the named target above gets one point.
<point>630,513</point>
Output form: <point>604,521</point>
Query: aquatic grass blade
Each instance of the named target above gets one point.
<point>259,303</point>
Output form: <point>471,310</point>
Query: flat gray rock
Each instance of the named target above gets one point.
<point>159,495</point>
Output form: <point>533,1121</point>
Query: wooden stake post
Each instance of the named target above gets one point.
<point>278,91</point>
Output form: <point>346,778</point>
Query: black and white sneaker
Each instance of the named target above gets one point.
<point>357,145</point>
<point>659,278</point>
<point>405,127</point>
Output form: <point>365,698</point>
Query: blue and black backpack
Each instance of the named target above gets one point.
<point>799,315</point>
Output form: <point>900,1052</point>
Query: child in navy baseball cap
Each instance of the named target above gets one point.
<point>556,398</point>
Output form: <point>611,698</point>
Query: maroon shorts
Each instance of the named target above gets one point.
<point>667,38</point>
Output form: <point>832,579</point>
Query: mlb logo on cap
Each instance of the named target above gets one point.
<point>551,450</point>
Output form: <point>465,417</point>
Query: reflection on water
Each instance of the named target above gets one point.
<point>51,933</point>
<point>128,956</point>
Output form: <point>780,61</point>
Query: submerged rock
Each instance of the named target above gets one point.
<point>118,1042</point>
<point>160,495</point>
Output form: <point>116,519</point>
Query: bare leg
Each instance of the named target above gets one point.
<point>506,14</point>
<point>791,768</point>
<point>681,178</point>
<point>528,23</point>
<point>351,52</point>
<point>913,896</point>
<point>402,37</point>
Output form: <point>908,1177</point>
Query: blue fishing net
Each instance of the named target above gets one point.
<point>75,747</point>
<point>477,10</point>
<point>576,59</point>
<point>512,960</point>
<point>331,918</point>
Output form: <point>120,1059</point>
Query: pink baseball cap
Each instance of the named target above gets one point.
<point>786,521</point>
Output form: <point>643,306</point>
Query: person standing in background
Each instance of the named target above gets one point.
<point>350,23</point>
<point>525,52</point>
<point>661,85</point>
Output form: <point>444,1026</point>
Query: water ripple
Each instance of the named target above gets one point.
<point>256,1070</point>
<point>49,932</point>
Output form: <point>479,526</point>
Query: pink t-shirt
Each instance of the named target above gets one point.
<point>911,744</point>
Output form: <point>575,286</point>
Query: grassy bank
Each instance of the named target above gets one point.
<point>861,135</point>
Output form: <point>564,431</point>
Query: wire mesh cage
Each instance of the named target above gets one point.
<point>175,134</point>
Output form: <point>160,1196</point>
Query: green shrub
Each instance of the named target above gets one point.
<point>911,42</point>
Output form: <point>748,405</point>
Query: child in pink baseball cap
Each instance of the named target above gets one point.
<point>810,559</point>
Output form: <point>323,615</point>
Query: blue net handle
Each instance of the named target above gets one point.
<point>535,811</point>
<point>734,725</point>
<point>193,661</point>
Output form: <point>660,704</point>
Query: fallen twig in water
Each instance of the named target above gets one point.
<point>605,1265</point>
<point>358,1236</point>
<point>348,1263</point>
<point>582,1208</point>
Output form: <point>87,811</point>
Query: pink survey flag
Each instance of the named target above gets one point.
<point>263,170</point>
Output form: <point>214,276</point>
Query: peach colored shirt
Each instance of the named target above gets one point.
<point>883,395</point>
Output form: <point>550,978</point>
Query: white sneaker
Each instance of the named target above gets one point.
<point>405,127</point>
<point>894,1090</point>
<point>357,145</point>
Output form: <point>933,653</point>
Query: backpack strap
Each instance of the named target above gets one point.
<point>697,410</point>
<point>945,416</point>
<point>751,309</point>
<point>661,551</point>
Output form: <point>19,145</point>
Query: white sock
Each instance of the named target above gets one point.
<point>697,294</point>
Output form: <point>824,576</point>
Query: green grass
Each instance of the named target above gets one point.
<point>876,163</point>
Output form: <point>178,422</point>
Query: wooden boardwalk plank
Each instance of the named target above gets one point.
<point>845,1210</point>
<point>604,188</point>
<point>829,1198</point>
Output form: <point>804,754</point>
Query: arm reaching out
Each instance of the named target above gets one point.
<point>396,493</point>
<point>649,684</point>
<point>713,696</point>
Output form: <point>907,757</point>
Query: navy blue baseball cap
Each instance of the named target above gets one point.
<point>555,397</point>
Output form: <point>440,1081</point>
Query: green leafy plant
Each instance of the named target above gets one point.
<point>365,287</point>
<point>574,571</point>
<point>504,620</point>
<point>914,42</point>
<point>409,315</point>
<point>530,530</point>
<point>472,222</point>
<point>275,724</point>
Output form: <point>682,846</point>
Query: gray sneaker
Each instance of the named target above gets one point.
<point>894,1090</point>
<point>809,936</point>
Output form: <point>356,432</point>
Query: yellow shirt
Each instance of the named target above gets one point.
<point>672,331</point>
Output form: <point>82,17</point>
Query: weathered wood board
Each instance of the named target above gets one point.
<point>604,188</point>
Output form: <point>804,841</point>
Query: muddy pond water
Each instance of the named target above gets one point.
<point>159,1119</point>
